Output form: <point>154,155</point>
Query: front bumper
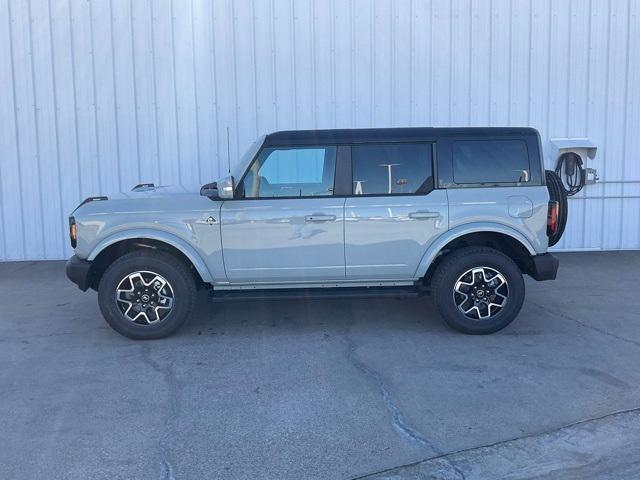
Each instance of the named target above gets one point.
<point>78,271</point>
<point>543,267</point>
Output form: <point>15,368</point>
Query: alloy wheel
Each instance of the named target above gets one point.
<point>144,297</point>
<point>481,293</point>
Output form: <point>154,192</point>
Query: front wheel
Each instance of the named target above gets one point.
<point>147,294</point>
<point>478,290</point>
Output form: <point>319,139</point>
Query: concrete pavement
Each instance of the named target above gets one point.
<point>324,389</point>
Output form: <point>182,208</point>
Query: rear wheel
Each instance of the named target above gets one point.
<point>478,290</point>
<point>146,294</point>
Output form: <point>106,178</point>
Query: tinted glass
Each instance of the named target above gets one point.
<point>490,161</point>
<point>384,169</point>
<point>291,172</point>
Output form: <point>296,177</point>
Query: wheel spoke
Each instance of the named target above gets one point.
<point>125,295</point>
<point>129,307</point>
<point>157,283</point>
<point>165,302</point>
<point>144,315</point>
<point>473,307</point>
<point>504,299</point>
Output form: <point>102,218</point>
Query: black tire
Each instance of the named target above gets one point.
<point>453,266</point>
<point>176,273</point>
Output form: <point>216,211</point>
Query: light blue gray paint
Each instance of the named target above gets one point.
<point>99,96</point>
<point>177,218</point>
<point>385,237</point>
<point>321,241</point>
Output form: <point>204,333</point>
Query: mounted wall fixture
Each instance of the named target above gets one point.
<point>571,157</point>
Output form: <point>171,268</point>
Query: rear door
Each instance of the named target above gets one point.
<point>286,225</point>
<point>394,213</point>
<point>498,180</point>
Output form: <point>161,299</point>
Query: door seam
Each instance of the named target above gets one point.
<point>344,237</point>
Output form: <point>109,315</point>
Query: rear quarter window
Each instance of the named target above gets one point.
<point>490,161</point>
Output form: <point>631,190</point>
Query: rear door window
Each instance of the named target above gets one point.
<point>490,162</point>
<point>391,169</point>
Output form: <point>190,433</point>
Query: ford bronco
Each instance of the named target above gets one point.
<point>460,213</point>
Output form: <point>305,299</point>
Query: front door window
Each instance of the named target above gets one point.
<point>291,172</point>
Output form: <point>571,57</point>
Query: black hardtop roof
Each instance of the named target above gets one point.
<point>364,135</point>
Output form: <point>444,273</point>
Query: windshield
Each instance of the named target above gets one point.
<point>240,167</point>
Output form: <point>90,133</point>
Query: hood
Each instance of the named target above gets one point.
<point>145,198</point>
<point>149,190</point>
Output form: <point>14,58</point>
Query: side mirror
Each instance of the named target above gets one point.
<point>223,188</point>
<point>209,190</point>
<point>226,187</point>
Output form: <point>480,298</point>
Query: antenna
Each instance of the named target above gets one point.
<point>228,152</point>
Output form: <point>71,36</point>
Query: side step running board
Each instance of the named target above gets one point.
<point>317,293</point>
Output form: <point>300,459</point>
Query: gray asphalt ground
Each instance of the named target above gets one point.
<point>336,389</point>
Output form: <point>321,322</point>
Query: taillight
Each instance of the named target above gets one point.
<point>73,232</point>
<point>552,218</point>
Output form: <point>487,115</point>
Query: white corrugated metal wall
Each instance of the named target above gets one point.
<point>96,96</point>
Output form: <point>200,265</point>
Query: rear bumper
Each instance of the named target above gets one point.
<point>78,271</point>
<point>543,267</point>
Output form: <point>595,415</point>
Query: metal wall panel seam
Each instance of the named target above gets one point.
<point>529,62</point>
<point>195,93</point>
<point>3,233</point>
<point>36,125</point>
<point>312,53</point>
<point>155,88</point>
<point>2,223</point>
<point>15,121</point>
<point>56,128</point>
<point>75,98</point>
<point>393,61</point>
<point>135,90</point>
<point>624,120</point>
<point>490,62</point>
<point>95,99</point>
<point>587,107</point>
<point>509,68</point>
<point>604,110</point>
<point>294,80</point>
<point>175,93</point>
<point>115,95</point>
<point>335,55</point>
<point>375,53</point>
<point>214,82</point>
<point>255,68</point>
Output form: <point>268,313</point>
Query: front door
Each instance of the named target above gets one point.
<point>285,224</point>
<point>394,213</point>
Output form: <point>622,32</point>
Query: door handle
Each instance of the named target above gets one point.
<point>319,218</point>
<point>207,221</point>
<point>422,214</point>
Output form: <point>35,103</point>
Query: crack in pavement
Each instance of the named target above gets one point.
<point>397,420</point>
<point>446,457</point>
<point>583,324</point>
<point>173,387</point>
